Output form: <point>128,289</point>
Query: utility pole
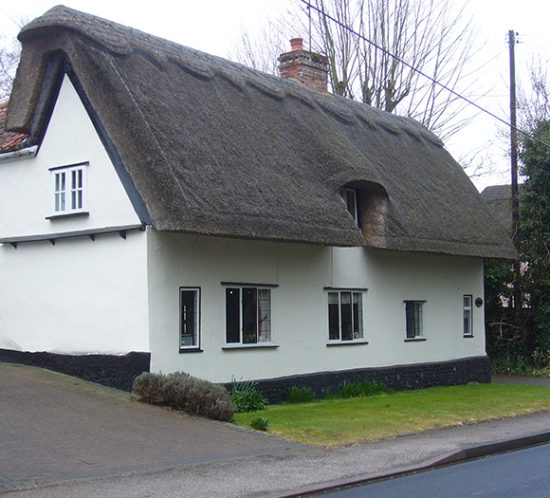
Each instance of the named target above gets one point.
<point>514,168</point>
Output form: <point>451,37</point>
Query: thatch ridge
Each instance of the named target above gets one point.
<point>214,147</point>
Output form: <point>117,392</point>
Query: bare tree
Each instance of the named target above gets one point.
<point>9,57</point>
<point>260,52</point>
<point>427,34</point>
<point>534,98</point>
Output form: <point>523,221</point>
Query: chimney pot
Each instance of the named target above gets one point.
<point>296,44</point>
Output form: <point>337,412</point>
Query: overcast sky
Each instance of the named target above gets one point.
<point>214,26</point>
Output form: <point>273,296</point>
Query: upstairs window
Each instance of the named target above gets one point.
<point>467,316</point>
<point>247,315</point>
<point>345,315</point>
<point>414,319</point>
<point>68,188</point>
<point>350,198</point>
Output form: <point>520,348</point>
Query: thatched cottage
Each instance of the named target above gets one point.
<point>159,201</point>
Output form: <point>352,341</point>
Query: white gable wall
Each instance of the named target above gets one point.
<point>79,295</point>
<point>26,197</point>
<point>300,305</point>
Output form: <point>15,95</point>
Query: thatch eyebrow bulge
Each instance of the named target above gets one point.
<point>215,148</point>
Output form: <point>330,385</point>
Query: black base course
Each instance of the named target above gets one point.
<point>109,370</point>
<point>398,377</point>
<point>120,372</point>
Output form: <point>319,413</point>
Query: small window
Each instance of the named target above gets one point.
<point>350,198</point>
<point>189,317</point>
<point>414,319</point>
<point>68,188</point>
<point>345,315</point>
<point>247,315</point>
<point>468,315</point>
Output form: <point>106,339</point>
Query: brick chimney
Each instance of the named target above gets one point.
<point>308,68</point>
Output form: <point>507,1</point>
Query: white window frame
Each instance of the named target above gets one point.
<point>350,196</point>
<point>197,319</point>
<point>361,330</point>
<point>418,323</point>
<point>259,341</point>
<point>69,188</point>
<point>468,314</point>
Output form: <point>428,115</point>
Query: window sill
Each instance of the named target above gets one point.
<point>415,339</point>
<point>469,336</point>
<point>190,350</point>
<point>230,347</point>
<point>69,214</point>
<point>346,343</point>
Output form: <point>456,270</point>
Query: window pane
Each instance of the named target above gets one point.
<point>79,199</point>
<point>357,315</point>
<point>232,321</point>
<point>350,196</point>
<point>62,201</point>
<point>417,319</point>
<point>189,318</point>
<point>467,315</point>
<point>409,312</point>
<point>264,315</point>
<point>333,316</point>
<point>250,315</point>
<point>347,320</point>
<point>467,322</point>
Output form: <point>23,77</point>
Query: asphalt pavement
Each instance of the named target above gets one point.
<point>522,473</point>
<point>66,437</point>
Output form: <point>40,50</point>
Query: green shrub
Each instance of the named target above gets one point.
<point>353,389</point>
<point>259,423</point>
<point>247,397</point>
<point>181,391</point>
<point>299,394</point>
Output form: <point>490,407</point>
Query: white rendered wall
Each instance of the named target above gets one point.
<point>77,296</point>
<point>26,196</point>
<point>299,305</point>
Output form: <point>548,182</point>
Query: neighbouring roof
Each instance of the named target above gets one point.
<point>499,200</point>
<point>216,148</point>
<point>9,141</point>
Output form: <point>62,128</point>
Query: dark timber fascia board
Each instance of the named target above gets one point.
<point>49,92</point>
<point>124,176</point>
<point>52,237</point>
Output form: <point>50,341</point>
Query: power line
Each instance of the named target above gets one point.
<point>422,73</point>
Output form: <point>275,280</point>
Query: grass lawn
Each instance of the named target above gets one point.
<point>338,422</point>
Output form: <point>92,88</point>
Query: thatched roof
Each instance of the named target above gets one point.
<point>213,147</point>
<point>499,200</point>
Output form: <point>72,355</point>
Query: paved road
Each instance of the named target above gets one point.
<point>63,437</point>
<point>521,473</point>
<point>57,428</point>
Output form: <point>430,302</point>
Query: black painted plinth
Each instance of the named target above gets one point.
<point>109,370</point>
<point>398,377</point>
